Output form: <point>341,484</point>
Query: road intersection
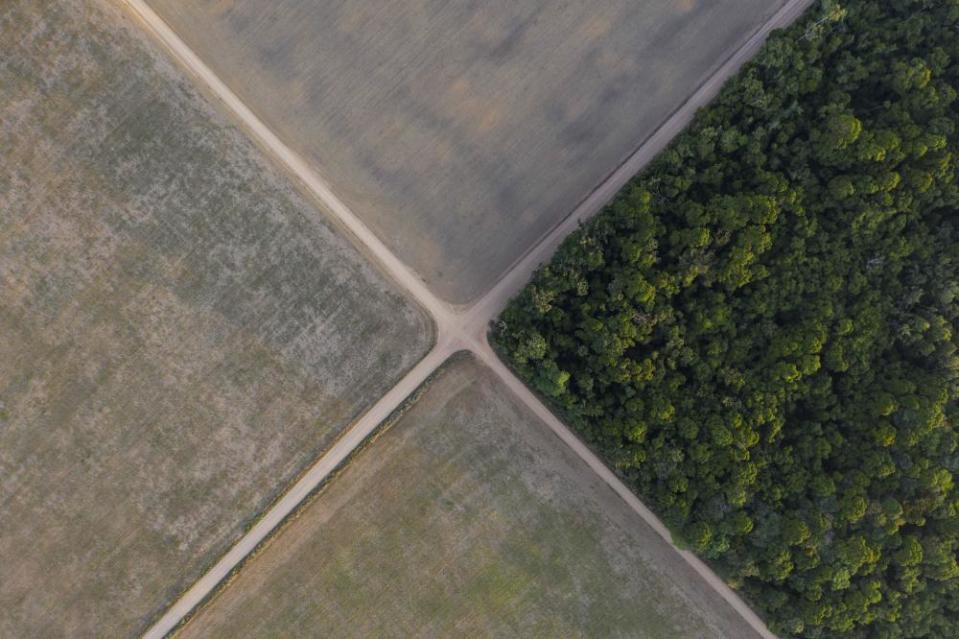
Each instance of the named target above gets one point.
<point>457,328</point>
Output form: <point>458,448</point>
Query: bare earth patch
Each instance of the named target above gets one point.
<point>468,518</point>
<point>180,331</point>
<point>462,131</point>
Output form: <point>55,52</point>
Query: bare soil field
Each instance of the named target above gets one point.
<point>467,518</point>
<point>461,131</point>
<point>181,332</point>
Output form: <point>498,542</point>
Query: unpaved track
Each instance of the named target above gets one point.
<point>457,328</point>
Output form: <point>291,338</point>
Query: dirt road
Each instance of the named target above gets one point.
<point>457,328</point>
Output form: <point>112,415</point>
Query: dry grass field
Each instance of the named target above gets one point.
<point>180,331</point>
<point>467,518</point>
<point>461,131</point>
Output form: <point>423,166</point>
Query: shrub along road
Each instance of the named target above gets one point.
<point>457,328</point>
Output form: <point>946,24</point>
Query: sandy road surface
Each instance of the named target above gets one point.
<point>457,328</point>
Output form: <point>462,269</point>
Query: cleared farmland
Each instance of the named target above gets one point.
<point>461,131</point>
<point>181,332</point>
<point>467,518</point>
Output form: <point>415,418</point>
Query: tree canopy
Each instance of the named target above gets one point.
<point>759,332</point>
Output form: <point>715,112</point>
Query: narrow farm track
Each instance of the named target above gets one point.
<point>457,328</point>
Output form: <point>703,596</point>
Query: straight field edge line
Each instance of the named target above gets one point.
<point>381,429</point>
<point>289,501</point>
<point>157,613</point>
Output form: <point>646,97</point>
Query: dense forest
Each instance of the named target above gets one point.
<point>759,332</point>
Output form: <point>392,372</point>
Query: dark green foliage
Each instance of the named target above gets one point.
<point>760,331</point>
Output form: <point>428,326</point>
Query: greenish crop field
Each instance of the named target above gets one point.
<point>470,518</point>
<point>181,332</point>
<point>462,131</point>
